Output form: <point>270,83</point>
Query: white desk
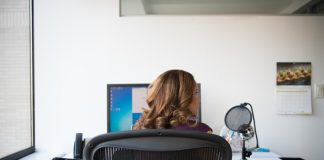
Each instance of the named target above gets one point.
<point>257,156</point>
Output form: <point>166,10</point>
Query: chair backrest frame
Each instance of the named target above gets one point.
<point>148,139</point>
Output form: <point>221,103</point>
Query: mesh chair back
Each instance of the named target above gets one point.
<point>157,145</point>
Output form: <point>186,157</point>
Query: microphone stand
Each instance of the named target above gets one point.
<point>255,130</point>
<point>245,153</point>
<point>243,129</point>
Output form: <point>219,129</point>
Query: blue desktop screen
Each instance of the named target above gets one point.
<point>125,105</point>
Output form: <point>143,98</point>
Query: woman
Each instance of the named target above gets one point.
<point>173,103</point>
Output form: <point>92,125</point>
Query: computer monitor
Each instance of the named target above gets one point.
<point>125,103</point>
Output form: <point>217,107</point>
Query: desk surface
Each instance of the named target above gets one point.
<point>257,156</point>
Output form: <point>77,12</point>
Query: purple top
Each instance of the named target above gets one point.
<point>202,127</point>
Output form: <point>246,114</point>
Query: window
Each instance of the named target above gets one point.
<point>16,79</point>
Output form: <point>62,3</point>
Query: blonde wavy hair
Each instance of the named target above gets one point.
<point>169,100</point>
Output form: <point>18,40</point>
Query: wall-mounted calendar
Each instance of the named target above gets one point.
<point>293,90</point>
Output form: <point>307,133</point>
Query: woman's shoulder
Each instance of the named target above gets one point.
<point>202,127</point>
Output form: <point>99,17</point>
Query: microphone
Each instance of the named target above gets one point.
<point>243,128</point>
<point>248,133</point>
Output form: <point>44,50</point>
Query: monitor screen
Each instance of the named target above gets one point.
<point>125,103</point>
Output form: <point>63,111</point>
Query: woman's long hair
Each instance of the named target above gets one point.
<point>169,99</point>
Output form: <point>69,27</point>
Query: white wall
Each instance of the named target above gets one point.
<point>82,45</point>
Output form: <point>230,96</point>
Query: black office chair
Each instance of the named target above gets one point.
<point>157,144</point>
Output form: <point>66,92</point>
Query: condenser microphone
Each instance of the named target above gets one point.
<point>243,128</point>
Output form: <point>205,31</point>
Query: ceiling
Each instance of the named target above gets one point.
<point>148,7</point>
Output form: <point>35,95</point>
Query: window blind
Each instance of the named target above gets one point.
<point>16,101</point>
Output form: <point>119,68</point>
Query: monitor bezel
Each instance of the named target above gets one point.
<point>109,86</point>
